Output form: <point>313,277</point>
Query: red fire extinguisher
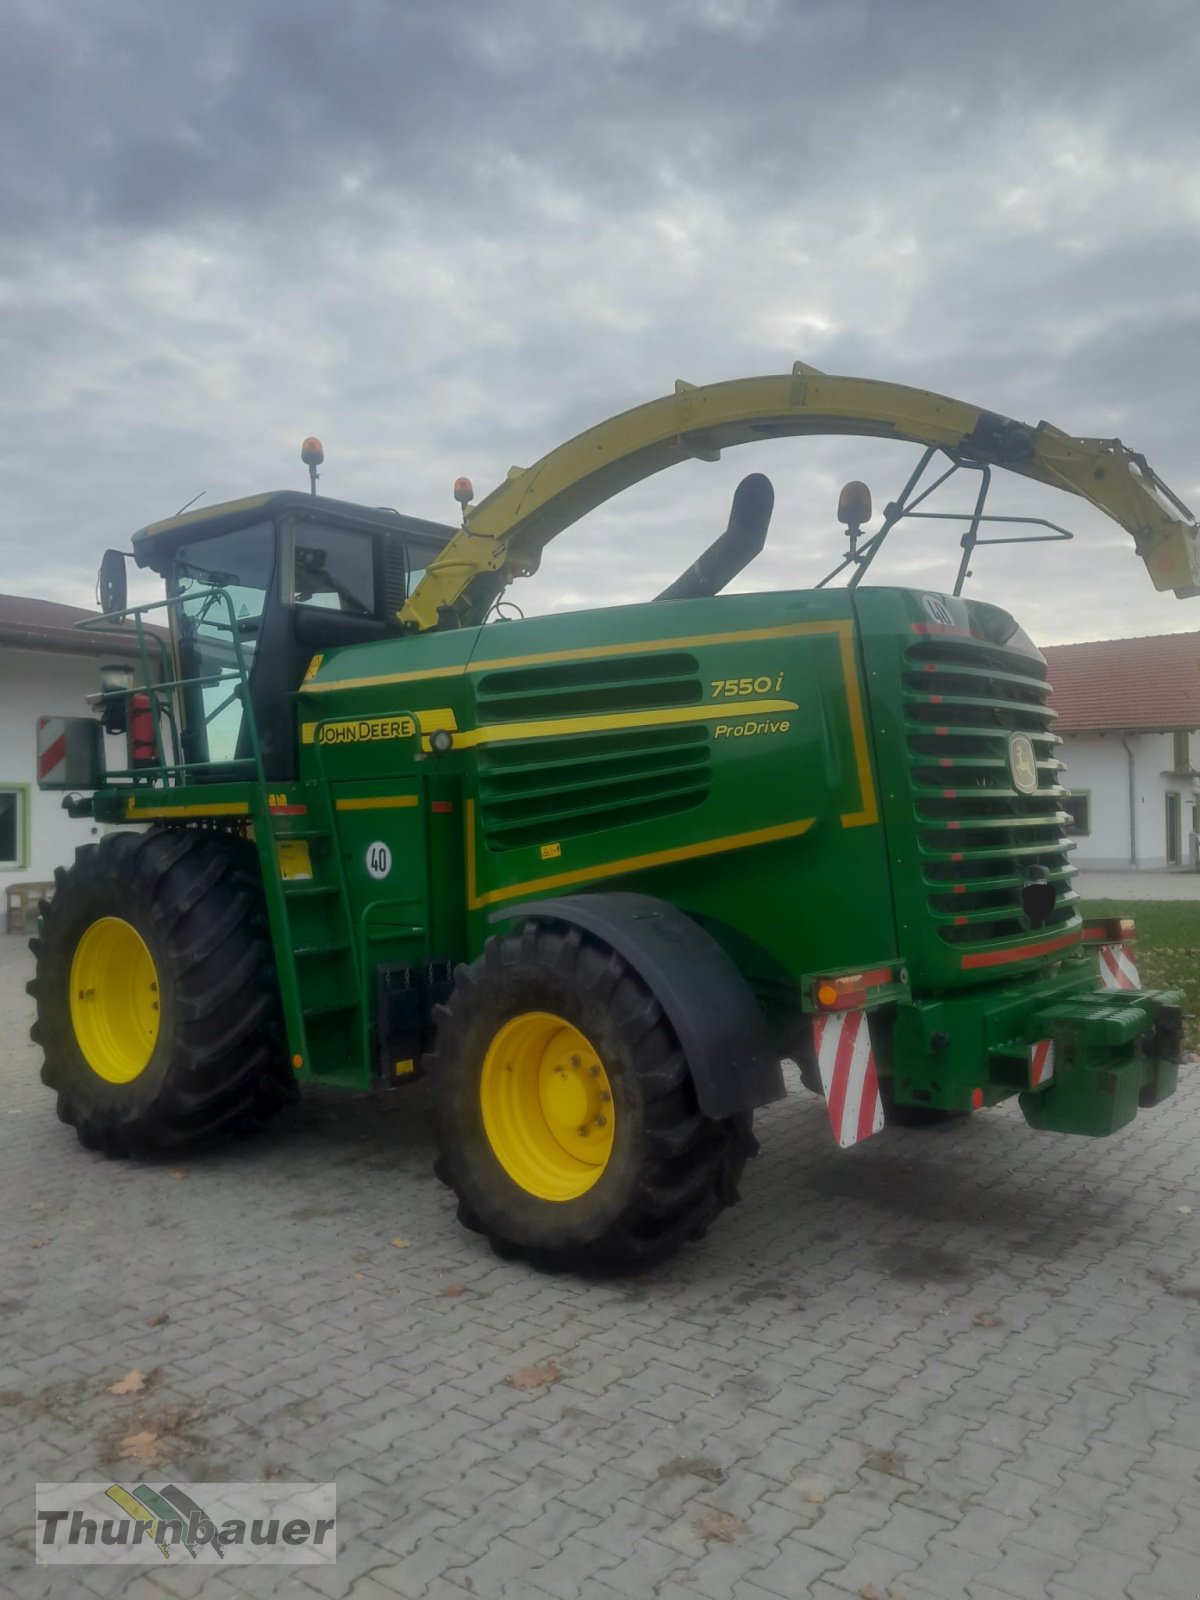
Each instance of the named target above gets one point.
<point>142,752</point>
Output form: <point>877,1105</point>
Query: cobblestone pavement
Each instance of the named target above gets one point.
<point>958,1362</point>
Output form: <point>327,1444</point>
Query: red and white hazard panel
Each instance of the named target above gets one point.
<point>51,750</point>
<point>851,1084</point>
<point>1041,1063</point>
<point>1118,969</point>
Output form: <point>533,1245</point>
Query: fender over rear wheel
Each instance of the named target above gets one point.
<point>567,1121</point>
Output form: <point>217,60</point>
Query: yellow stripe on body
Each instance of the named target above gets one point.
<point>869,811</point>
<point>610,869</point>
<point>610,721</point>
<point>219,808</point>
<point>594,652</point>
<point>385,802</point>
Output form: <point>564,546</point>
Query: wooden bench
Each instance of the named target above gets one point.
<point>20,899</point>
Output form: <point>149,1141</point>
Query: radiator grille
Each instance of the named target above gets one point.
<point>978,834</point>
<point>550,786</point>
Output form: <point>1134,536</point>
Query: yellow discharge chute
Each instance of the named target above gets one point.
<point>503,536</point>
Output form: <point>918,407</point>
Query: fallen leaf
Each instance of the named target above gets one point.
<point>129,1384</point>
<point>38,1205</point>
<point>271,1471</point>
<point>400,1244</point>
<point>142,1446</point>
<point>359,1276</point>
<point>692,1467</point>
<point>451,1290</point>
<point>722,1526</point>
<point>158,1320</point>
<point>1184,1211</point>
<point>985,1319</point>
<point>539,1376</point>
<point>869,1592</point>
<point>36,1244</point>
<point>178,1174</point>
<point>889,1461</point>
<point>363,1257</point>
<point>815,1497</point>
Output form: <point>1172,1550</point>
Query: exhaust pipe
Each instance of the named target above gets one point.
<point>736,548</point>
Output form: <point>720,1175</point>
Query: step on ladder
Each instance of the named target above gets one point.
<point>320,982</point>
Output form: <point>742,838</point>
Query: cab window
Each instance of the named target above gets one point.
<point>333,568</point>
<point>241,563</point>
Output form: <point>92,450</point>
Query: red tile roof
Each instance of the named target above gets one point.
<point>27,624</point>
<point>1132,685</point>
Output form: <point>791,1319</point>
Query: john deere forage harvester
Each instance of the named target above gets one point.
<point>593,874</point>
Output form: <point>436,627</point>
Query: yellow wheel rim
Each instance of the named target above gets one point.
<point>547,1106</point>
<point>114,1000</point>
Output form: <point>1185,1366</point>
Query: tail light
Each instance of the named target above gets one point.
<point>1110,930</point>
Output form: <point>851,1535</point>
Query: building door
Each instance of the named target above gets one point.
<point>1174,830</point>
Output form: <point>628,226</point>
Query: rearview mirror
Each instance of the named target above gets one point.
<point>112,590</point>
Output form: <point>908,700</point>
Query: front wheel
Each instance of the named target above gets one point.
<point>567,1120</point>
<point>156,1002</point>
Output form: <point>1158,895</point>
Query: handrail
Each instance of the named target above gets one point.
<point>163,692</point>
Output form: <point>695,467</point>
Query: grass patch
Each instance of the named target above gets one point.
<point>1168,949</point>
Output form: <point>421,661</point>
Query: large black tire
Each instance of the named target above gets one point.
<point>670,1170</point>
<point>219,1062</point>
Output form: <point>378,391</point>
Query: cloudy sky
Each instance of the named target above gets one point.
<point>447,234</point>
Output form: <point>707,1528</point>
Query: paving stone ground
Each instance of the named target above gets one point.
<point>950,1363</point>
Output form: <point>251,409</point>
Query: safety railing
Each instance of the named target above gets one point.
<point>166,694</point>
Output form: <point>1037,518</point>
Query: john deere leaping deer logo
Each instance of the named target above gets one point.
<point>1022,763</point>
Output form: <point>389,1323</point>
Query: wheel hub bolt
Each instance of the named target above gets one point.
<point>605,1097</point>
<point>601,1122</point>
<point>593,1072</point>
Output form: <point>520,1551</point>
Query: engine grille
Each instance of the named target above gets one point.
<point>536,789</point>
<point>978,834</point>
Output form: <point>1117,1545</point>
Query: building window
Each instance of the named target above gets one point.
<point>1174,829</point>
<point>1183,751</point>
<point>14,801</point>
<point>1078,807</point>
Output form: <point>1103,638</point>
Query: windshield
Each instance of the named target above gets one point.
<point>242,563</point>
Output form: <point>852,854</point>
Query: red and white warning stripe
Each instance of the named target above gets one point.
<point>848,1077</point>
<point>1118,970</point>
<point>51,750</point>
<point>1041,1063</point>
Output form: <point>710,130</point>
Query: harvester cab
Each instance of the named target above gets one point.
<point>259,587</point>
<point>595,875</point>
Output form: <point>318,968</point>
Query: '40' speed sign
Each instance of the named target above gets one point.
<point>379,859</point>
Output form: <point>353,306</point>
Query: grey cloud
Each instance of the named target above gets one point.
<point>448,236</point>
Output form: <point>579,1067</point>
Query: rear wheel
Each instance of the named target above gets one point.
<point>156,1002</point>
<point>567,1120</point>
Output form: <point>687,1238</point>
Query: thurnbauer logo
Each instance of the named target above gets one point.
<point>152,1523</point>
<point>1022,762</point>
